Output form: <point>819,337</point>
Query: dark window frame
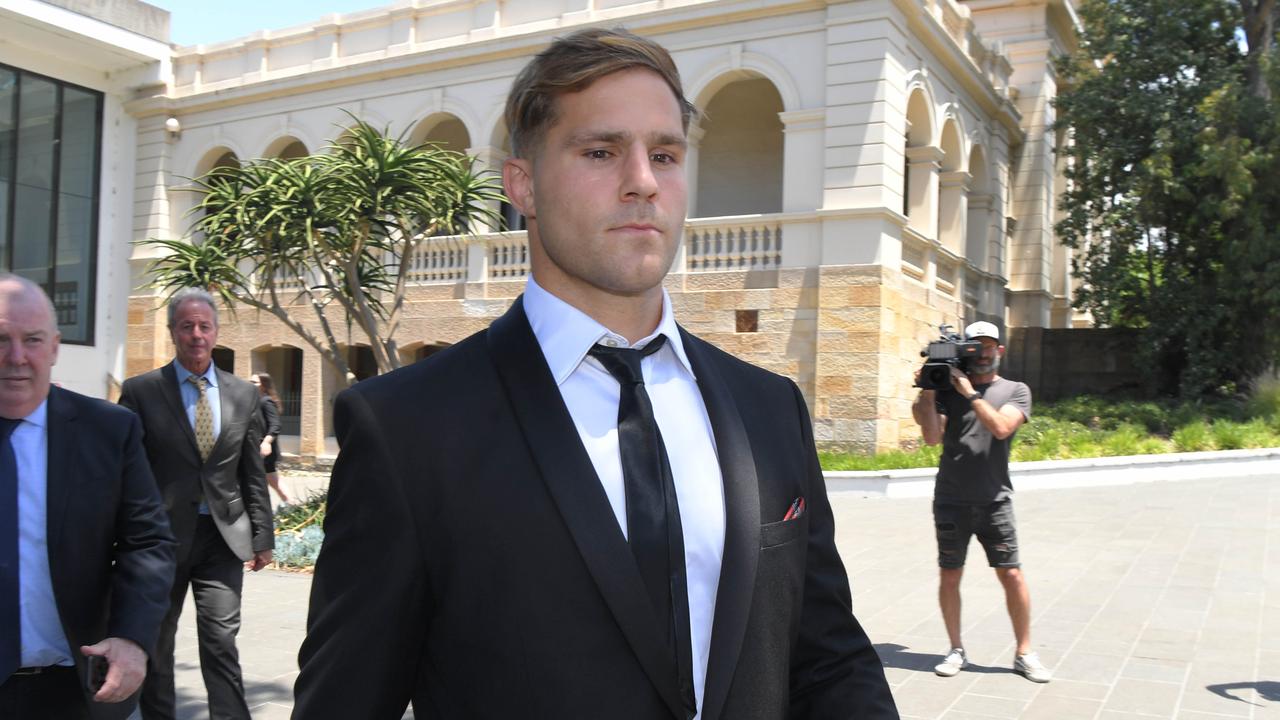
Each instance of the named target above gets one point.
<point>6,262</point>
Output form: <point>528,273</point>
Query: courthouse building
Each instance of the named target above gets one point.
<point>865,170</point>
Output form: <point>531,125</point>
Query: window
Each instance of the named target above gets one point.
<point>50,137</point>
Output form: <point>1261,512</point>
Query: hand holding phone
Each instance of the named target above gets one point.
<point>95,674</point>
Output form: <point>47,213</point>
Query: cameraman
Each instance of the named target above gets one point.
<point>975,420</point>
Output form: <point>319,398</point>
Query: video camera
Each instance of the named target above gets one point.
<point>949,351</point>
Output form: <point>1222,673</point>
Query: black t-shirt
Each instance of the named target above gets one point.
<point>974,469</point>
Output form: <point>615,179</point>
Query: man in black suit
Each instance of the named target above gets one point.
<point>86,556</point>
<point>202,434</point>
<point>585,511</point>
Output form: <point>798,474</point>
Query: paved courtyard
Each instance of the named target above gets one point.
<point>1156,600</point>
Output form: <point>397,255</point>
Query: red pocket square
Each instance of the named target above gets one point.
<point>796,509</point>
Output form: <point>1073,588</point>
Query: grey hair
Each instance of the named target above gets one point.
<point>33,288</point>
<point>189,294</point>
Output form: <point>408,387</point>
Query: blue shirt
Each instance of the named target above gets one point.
<point>190,394</point>
<point>43,642</point>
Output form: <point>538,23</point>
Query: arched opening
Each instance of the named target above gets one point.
<point>287,148</point>
<point>953,184</point>
<point>284,365</point>
<point>740,156</point>
<point>360,361</point>
<point>981,204</point>
<point>414,352</point>
<point>224,358</point>
<point>216,158</point>
<point>920,170</point>
<point>443,130</point>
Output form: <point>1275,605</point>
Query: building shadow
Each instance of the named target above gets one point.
<point>1268,690</point>
<point>899,656</point>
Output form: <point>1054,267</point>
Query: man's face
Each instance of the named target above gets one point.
<point>28,350</point>
<point>194,333</point>
<point>989,360</point>
<point>605,190</point>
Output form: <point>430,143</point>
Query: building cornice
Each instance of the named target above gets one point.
<point>516,42</point>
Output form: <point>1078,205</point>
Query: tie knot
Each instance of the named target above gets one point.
<point>624,363</point>
<point>200,381</point>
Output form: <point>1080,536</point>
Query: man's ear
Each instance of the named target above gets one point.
<point>517,182</point>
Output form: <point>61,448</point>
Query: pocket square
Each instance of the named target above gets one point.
<point>796,509</point>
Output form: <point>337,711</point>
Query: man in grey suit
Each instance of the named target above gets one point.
<point>202,433</point>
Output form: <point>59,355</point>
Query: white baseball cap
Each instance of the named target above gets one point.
<point>982,328</point>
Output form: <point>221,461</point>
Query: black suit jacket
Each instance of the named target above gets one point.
<point>111,555</point>
<point>232,479</point>
<point>472,562</point>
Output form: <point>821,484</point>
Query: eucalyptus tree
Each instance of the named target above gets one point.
<point>325,242</point>
<point>1172,195</point>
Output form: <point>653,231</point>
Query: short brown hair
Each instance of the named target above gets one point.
<point>571,64</point>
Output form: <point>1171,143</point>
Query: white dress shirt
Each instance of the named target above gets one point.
<point>43,642</point>
<point>565,334</point>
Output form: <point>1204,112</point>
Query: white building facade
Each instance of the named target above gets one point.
<point>865,171</point>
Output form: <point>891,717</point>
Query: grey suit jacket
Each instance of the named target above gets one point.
<point>231,480</point>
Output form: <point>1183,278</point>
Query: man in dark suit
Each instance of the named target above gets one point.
<point>585,511</point>
<point>202,434</point>
<point>86,556</point>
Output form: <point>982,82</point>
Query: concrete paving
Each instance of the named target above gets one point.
<point>1152,600</point>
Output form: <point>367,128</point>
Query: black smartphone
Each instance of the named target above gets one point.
<point>95,673</point>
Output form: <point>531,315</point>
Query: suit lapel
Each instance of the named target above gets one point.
<point>173,399</point>
<point>742,526</point>
<point>228,409</point>
<point>571,479</point>
<point>60,473</point>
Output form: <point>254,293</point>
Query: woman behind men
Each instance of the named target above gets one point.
<point>270,448</point>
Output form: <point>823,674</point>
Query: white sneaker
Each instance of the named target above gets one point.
<point>952,663</point>
<point>1030,667</point>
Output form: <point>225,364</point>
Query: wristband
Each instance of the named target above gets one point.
<point>973,396</point>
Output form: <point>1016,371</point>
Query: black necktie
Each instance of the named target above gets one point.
<point>10,630</point>
<point>653,513</point>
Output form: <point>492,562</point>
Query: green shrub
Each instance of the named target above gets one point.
<point>1096,425</point>
<point>298,516</point>
<point>1194,437</point>
<point>1127,439</point>
<point>926,456</point>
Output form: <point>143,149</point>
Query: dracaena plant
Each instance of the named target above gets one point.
<point>325,242</point>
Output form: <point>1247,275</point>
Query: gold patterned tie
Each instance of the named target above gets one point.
<point>204,417</point>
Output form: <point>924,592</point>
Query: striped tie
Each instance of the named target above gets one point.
<point>204,417</point>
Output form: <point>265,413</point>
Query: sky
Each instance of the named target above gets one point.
<point>192,22</point>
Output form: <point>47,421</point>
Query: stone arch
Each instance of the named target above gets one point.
<point>953,188</point>
<point>284,364</point>
<point>920,159</point>
<point>445,129</point>
<point>952,146</point>
<point>740,147</point>
<point>737,65</point>
<point>439,107</point>
<point>415,351</point>
<point>919,131</point>
<point>220,156</point>
<point>983,209</point>
<point>286,147</point>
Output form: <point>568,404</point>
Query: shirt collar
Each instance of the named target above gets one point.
<point>210,374</point>
<point>565,333</point>
<point>39,416</point>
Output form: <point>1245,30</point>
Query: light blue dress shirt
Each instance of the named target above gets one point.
<point>43,642</point>
<point>190,394</point>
